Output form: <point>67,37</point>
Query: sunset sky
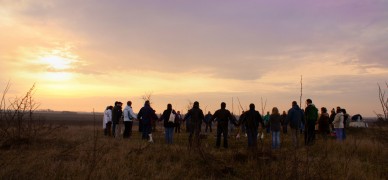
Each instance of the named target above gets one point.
<point>87,54</point>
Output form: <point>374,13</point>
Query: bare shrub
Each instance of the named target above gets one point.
<point>384,103</point>
<point>18,125</point>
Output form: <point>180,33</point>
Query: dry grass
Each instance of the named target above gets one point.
<point>73,152</point>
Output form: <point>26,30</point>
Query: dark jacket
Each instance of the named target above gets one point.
<point>284,120</point>
<point>311,114</point>
<point>295,117</point>
<point>223,117</point>
<point>208,118</point>
<point>323,123</point>
<point>332,116</point>
<point>146,115</point>
<point>251,119</point>
<point>275,122</point>
<point>116,114</point>
<point>166,116</point>
<point>195,117</point>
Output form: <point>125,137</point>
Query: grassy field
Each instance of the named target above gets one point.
<point>78,150</point>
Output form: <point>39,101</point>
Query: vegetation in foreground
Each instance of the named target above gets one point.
<point>82,152</point>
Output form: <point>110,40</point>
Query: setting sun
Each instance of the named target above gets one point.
<point>57,62</point>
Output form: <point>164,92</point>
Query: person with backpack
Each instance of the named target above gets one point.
<point>275,124</point>
<point>295,117</point>
<point>311,117</point>
<point>251,120</point>
<point>146,115</point>
<point>194,117</point>
<point>223,116</point>
<point>117,113</point>
<point>168,117</point>
<point>129,116</point>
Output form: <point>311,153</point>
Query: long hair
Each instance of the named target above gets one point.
<point>275,111</point>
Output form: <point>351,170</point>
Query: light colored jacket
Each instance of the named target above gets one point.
<point>129,115</point>
<point>339,120</point>
<point>107,117</point>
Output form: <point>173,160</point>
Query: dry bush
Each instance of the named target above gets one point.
<point>384,104</point>
<point>18,124</point>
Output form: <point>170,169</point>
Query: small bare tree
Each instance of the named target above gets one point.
<point>263,106</point>
<point>383,102</point>
<point>189,105</point>
<point>147,96</point>
<point>17,121</point>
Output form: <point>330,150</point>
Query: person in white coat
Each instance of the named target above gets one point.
<point>129,116</point>
<point>339,124</point>
<point>107,121</point>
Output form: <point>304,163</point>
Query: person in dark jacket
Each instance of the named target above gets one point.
<point>168,118</point>
<point>284,122</point>
<point>117,113</point>
<point>251,120</point>
<point>295,117</point>
<point>311,117</point>
<point>331,120</point>
<point>223,116</point>
<point>146,115</point>
<point>323,123</point>
<point>178,120</point>
<point>208,122</point>
<point>346,119</point>
<point>195,117</point>
<point>275,125</point>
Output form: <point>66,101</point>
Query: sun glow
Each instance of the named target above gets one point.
<point>57,63</point>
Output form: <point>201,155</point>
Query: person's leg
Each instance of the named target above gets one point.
<point>171,135</point>
<point>273,140</point>
<point>278,139</point>
<point>130,124</point>
<point>109,128</point>
<point>343,134</point>
<point>166,134</point>
<point>114,129</point>
<point>226,130</point>
<point>250,138</point>
<point>338,134</point>
<point>145,132</point>
<point>306,135</point>
<point>294,134</point>
<point>254,138</point>
<point>219,132</point>
<point>126,128</point>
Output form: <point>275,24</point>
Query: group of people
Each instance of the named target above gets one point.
<point>251,122</point>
